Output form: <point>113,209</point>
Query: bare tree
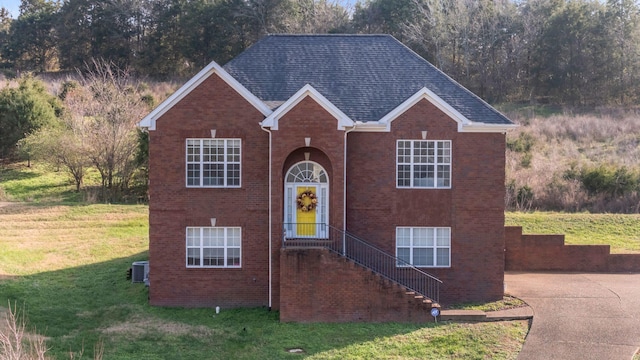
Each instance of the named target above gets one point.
<point>61,146</point>
<point>317,17</point>
<point>113,106</point>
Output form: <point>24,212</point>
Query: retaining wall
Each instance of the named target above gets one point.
<point>549,253</point>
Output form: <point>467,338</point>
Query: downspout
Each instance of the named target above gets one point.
<point>270,224</point>
<point>344,191</point>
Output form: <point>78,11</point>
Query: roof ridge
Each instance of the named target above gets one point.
<point>365,75</point>
<point>325,35</point>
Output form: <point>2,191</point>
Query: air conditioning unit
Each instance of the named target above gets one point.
<point>139,271</point>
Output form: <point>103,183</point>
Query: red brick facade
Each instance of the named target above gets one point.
<point>173,206</point>
<point>473,208</point>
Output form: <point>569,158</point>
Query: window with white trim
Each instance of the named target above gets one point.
<point>215,247</point>
<point>424,246</point>
<point>213,162</point>
<point>423,164</point>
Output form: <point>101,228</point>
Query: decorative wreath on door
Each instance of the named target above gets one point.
<point>307,201</point>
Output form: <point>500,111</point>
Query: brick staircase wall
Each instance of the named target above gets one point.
<point>549,253</point>
<point>317,285</point>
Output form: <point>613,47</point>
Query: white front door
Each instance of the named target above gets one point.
<point>306,201</point>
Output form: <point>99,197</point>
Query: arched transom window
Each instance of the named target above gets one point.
<point>306,172</point>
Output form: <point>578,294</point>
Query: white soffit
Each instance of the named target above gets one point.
<point>272,120</point>
<point>149,121</point>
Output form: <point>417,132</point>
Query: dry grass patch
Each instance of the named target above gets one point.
<point>140,327</point>
<point>543,153</point>
<point>58,237</point>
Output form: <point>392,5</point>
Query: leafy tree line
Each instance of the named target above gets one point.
<point>574,52</point>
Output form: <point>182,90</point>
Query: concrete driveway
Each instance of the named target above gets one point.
<point>579,315</point>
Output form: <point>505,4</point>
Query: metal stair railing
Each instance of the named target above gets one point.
<point>364,254</point>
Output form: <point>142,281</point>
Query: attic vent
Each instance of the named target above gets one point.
<point>139,271</point>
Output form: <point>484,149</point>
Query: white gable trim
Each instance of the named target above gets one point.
<point>425,93</point>
<point>149,121</point>
<point>464,124</point>
<point>272,120</point>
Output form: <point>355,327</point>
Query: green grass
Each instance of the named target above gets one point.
<point>64,263</point>
<point>508,302</point>
<point>620,231</point>
<point>35,184</point>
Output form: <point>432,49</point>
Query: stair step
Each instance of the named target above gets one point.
<point>418,297</point>
<point>427,301</point>
<point>410,293</point>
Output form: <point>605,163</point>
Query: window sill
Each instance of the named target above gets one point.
<point>423,188</point>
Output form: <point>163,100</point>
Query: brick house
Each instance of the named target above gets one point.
<point>330,177</point>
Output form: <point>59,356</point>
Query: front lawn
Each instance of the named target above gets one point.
<point>64,263</point>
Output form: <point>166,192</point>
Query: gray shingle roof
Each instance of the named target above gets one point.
<point>365,76</point>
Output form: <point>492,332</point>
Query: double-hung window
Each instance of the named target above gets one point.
<point>423,246</point>
<point>423,164</point>
<point>213,162</point>
<point>218,247</point>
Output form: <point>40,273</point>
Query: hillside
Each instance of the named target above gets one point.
<point>574,161</point>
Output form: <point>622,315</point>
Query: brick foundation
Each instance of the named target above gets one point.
<point>319,286</point>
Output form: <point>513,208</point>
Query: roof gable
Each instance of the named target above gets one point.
<point>149,121</point>
<point>307,91</point>
<point>464,124</point>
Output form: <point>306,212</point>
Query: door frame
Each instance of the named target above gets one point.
<point>319,180</point>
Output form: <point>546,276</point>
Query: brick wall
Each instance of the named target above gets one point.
<point>473,207</point>
<point>173,206</point>
<point>549,253</point>
<point>306,119</point>
<point>319,286</point>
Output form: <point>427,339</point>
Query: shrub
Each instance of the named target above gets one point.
<point>23,110</point>
<point>609,180</point>
<point>522,144</point>
<point>149,100</point>
<point>519,197</point>
<point>67,87</point>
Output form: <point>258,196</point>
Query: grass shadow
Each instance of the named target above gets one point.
<point>35,184</point>
<point>81,306</point>
<point>13,173</point>
<point>42,186</point>
<point>78,306</point>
